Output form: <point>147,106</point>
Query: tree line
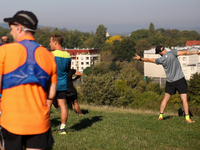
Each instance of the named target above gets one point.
<point>118,80</point>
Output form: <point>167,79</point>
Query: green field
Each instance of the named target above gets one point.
<point>105,128</point>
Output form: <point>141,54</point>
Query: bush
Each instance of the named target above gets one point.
<point>147,100</point>
<point>99,89</point>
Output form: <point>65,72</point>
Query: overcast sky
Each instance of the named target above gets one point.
<point>122,15</point>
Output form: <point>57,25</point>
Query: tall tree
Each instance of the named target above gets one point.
<point>100,35</point>
<point>151,29</point>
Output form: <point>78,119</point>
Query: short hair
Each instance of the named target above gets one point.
<point>158,49</point>
<point>58,38</point>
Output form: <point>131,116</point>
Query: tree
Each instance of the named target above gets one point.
<point>151,29</point>
<point>161,30</point>
<point>99,89</point>
<point>100,68</point>
<point>106,56</point>
<point>113,38</point>
<point>100,35</point>
<point>87,71</point>
<point>125,50</point>
<point>139,34</point>
<point>141,46</point>
<point>193,89</point>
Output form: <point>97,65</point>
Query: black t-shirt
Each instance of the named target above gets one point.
<point>70,86</point>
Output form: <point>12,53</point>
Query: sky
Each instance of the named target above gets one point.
<point>116,15</point>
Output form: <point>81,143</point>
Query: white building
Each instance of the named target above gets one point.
<point>190,64</point>
<point>83,58</point>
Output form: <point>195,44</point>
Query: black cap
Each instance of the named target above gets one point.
<point>25,18</point>
<point>159,49</point>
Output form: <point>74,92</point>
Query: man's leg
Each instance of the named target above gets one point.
<point>163,105</point>
<point>186,108</point>
<point>164,102</point>
<point>77,108</point>
<point>185,103</point>
<point>63,112</point>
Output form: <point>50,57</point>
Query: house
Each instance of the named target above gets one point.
<point>83,58</point>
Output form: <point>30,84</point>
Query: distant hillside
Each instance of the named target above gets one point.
<point>5,25</point>
<point>113,29</point>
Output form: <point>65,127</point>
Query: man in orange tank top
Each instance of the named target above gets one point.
<point>28,79</point>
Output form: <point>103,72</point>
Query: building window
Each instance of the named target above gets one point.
<point>72,67</point>
<point>87,63</point>
<point>184,65</point>
<point>87,58</point>
<point>82,68</point>
<point>73,53</point>
<point>82,63</point>
<point>77,53</point>
<point>81,58</point>
<point>76,57</point>
<point>184,58</point>
<point>72,63</point>
<point>192,68</point>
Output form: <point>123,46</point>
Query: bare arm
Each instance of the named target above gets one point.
<point>187,53</point>
<point>78,75</point>
<point>152,60</point>
<point>51,94</point>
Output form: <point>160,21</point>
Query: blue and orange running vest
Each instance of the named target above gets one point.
<point>29,72</point>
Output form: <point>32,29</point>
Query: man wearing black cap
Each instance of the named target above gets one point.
<point>175,77</point>
<point>28,78</point>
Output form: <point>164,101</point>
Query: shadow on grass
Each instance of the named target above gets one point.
<point>86,122</point>
<point>168,117</point>
<point>84,111</point>
<point>54,123</point>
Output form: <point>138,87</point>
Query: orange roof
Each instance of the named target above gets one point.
<point>191,43</point>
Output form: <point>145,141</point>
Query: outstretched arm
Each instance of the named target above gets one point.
<point>152,60</point>
<point>78,75</point>
<point>187,53</point>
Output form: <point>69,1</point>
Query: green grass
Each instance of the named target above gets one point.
<point>105,129</point>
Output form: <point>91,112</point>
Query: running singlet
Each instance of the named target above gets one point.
<point>29,72</point>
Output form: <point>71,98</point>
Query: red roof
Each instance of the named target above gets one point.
<point>191,43</point>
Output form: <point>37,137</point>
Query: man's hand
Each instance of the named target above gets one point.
<point>136,57</point>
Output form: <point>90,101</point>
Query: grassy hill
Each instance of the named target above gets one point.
<point>108,128</point>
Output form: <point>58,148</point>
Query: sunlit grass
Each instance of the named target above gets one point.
<point>105,128</point>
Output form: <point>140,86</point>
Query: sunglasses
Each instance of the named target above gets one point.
<point>12,23</point>
<point>162,49</point>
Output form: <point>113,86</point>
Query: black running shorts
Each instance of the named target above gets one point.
<point>16,142</point>
<point>71,96</point>
<point>179,85</point>
<point>61,95</point>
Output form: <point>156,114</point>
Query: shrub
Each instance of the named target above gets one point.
<point>99,89</point>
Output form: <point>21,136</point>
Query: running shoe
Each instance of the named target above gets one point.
<point>189,121</point>
<point>160,118</point>
<point>62,131</point>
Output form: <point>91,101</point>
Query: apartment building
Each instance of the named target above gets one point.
<point>83,58</point>
<point>190,64</point>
